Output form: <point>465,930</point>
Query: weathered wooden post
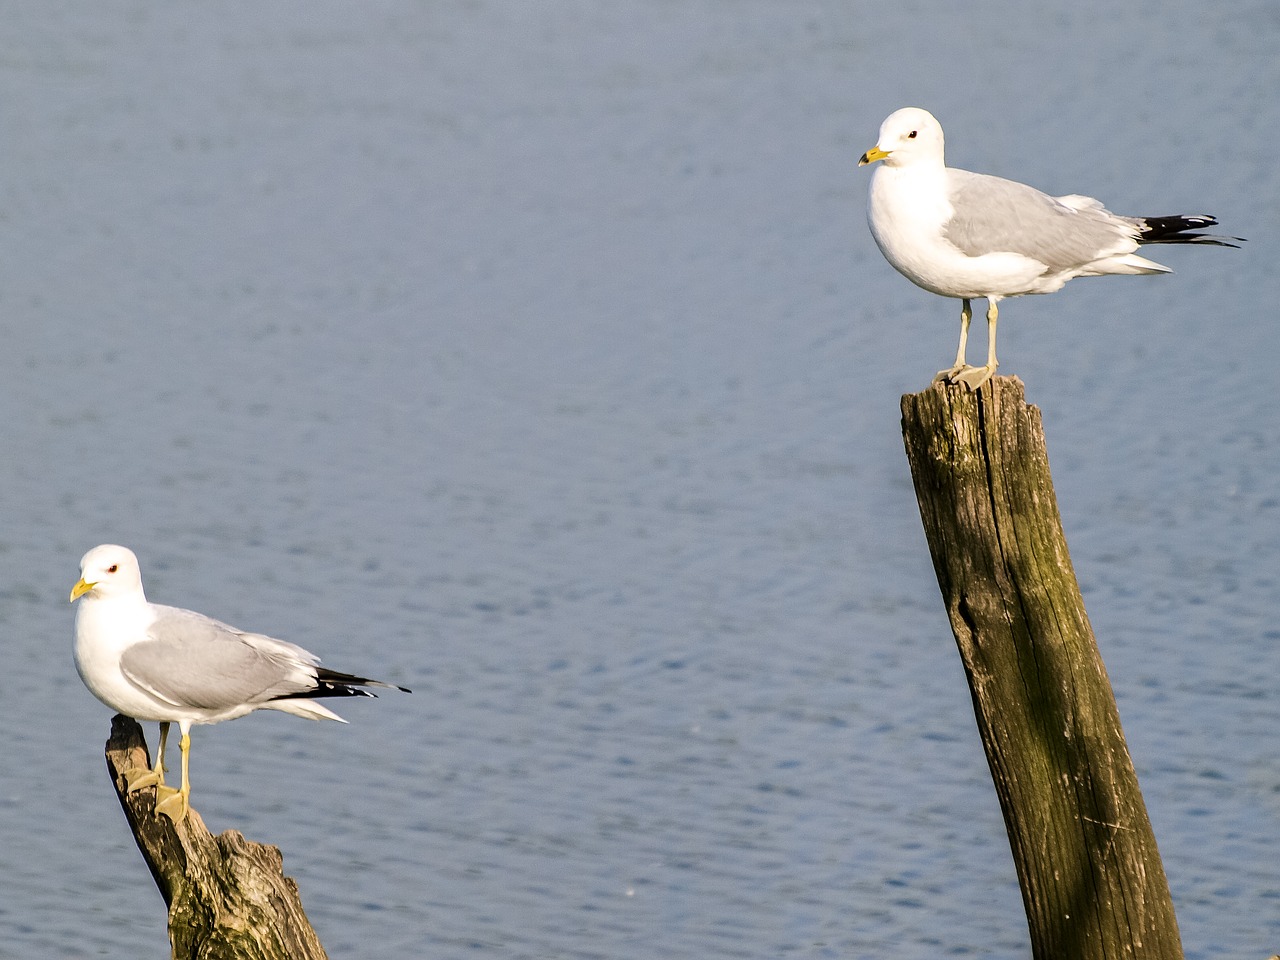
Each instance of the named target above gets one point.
<point>1087,862</point>
<point>227,897</point>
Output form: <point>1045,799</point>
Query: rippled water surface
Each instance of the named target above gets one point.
<point>537,357</point>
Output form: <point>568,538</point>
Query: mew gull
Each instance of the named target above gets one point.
<point>970,236</point>
<point>153,662</point>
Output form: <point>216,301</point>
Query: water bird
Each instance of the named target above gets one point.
<point>167,664</point>
<point>974,236</point>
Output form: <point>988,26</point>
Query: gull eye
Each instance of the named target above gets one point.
<point>113,568</point>
<point>912,134</point>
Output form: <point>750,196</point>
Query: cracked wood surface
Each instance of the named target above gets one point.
<point>227,896</point>
<point>1091,877</point>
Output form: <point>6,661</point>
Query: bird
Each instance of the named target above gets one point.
<point>974,236</point>
<point>160,663</point>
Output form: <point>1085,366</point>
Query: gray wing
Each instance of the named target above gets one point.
<point>993,215</point>
<point>195,661</point>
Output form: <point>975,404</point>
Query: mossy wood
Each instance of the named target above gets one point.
<point>1086,857</point>
<point>228,897</point>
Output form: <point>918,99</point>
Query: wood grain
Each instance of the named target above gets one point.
<point>1091,877</point>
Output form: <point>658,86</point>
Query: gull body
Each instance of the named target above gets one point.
<point>154,662</point>
<point>973,236</point>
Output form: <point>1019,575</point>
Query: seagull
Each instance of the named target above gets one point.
<point>153,662</point>
<point>973,236</point>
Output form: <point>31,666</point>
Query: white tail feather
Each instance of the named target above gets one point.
<point>1129,264</point>
<point>307,709</point>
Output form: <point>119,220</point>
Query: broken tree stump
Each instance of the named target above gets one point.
<point>1091,877</point>
<point>227,896</point>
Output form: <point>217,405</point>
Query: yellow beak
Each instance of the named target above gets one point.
<point>80,589</point>
<point>872,155</point>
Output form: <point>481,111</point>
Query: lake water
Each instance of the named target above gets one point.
<point>537,357</point>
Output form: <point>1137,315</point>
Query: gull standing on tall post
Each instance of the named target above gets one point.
<point>153,662</point>
<point>972,236</point>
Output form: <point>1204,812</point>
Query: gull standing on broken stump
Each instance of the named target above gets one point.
<point>153,662</point>
<point>972,236</point>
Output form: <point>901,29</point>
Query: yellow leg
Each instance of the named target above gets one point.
<point>176,805</point>
<point>949,375</point>
<point>139,777</point>
<point>975,377</point>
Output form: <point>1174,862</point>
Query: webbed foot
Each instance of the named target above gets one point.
<point>949,375</point>
<point>172,803</point>
<point>138,777</point>
<point>974,377</point>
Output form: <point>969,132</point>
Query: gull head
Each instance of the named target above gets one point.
<point>108,570</point>
<point>906,136</point>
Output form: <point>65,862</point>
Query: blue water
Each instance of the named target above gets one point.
<point>537,357</point>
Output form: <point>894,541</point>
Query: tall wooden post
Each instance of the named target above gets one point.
<point>1087,862</point>
<point>228,897</point>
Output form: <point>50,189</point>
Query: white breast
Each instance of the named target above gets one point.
<point>104,629</point>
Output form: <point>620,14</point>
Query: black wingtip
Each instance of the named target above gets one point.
<point>1181,229</point>
<point>331,683</point>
